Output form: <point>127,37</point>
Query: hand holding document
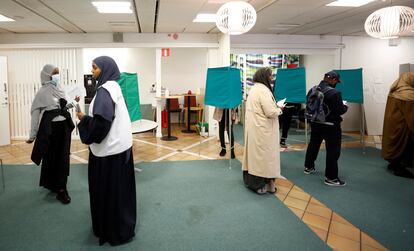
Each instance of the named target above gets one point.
<point>281,103</point>
<point>345,102</point>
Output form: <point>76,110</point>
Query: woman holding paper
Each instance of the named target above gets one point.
<point>111,174</point>
<point>51,127</point>
<point>261,161</point>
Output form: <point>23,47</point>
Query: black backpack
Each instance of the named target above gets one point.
<point>315,111</point>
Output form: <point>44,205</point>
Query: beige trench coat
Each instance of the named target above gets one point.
<point>261,137</point>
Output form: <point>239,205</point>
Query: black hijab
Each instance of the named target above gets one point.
<point>109,69</point>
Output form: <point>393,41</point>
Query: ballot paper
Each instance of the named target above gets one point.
<point>281,103</point>
<point>72,91</point>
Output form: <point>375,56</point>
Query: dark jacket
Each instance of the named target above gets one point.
<point>41,144</point>
<point>334,105</point>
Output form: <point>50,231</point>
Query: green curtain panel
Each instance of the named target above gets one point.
<point>129,87</point>
<point>291,84</point>
<point>351,85</point>
<point>223,87</point>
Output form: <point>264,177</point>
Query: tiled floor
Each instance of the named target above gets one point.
<point>336,231</point>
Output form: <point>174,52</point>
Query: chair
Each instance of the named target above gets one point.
<point>194,109</point>
<point>175,108</point>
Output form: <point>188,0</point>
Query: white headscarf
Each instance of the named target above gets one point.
<point>49,94</point>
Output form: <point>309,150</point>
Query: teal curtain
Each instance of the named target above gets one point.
<point>223,87</point>
<point>129,87</point>
<point>351,85</point>
<point>291,84</point>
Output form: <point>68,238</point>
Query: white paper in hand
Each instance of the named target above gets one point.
<point>281,103</point>
<point>345,102</point>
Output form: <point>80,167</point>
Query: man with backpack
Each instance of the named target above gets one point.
<point>324,108</point>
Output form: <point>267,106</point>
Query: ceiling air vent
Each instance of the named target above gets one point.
<point>118,37</point>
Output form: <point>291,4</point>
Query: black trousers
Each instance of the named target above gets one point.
<point>223,123</point>
<point>332,135</point>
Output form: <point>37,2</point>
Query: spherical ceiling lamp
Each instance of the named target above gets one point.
<point>390,22</point>
<point>235,18</point>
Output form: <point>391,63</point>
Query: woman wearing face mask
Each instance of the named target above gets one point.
<point>111,176</point>
<point>51,127</point>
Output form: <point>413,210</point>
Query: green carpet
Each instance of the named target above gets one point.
<point>374,200</point>
<point>295,136</point>
<point>190,205</point>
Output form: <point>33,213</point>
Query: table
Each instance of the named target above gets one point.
<point>143,125</point>
<point>168,137</point>
<point>188,96</point>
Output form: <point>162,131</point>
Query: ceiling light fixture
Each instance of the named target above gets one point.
<point>349,3</point>
<point>5,19</point>
<point>113,7</point>
<point>235,18</point>
<point>205,18</point>
<point>390,22</point>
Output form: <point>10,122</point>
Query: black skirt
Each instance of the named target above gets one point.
<point>112,197</point>
<point>254,182</point>
<point>55,163</point>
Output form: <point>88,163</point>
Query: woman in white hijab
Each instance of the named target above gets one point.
<point>51,127</point>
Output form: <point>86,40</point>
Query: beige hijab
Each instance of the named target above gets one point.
<point>403,87</point>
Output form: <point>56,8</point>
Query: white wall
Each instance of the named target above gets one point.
<point>380,64</point>
<point>185,69</point>
<point>316,66</point>
<point>139,60</point>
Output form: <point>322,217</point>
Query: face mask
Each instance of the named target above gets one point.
<point>55,79</point>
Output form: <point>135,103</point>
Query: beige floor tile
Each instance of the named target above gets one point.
<point>369,248</point>
<point>299,195</point>
<point>315,201</point>
<point>284,182</point>
<point>296,203</point>
<point>336,217</point>
<point>316,221</point>
<point>319,210</point>
<point>346,231</point>
<point>322,234</point>
<point>297,189</point>
<point>280,196</point>
<point>283,189</point>
<point>368,240</point>
<point>299,213</point>
<point>342,244</point>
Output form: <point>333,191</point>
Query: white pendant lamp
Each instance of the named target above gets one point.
<point>390,22</point>
<point>235,18</point>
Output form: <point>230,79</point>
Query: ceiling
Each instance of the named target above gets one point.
<point>305,17</point>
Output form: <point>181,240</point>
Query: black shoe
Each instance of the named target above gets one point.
<point>335,182</point>
<point>309,170</point>
<point>283,144</point>
<point>222,152</point>
<point>233,156</point>
<point>403,172</point>
<point>63,197</point>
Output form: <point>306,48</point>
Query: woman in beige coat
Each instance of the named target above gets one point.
<point>261,162</point>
